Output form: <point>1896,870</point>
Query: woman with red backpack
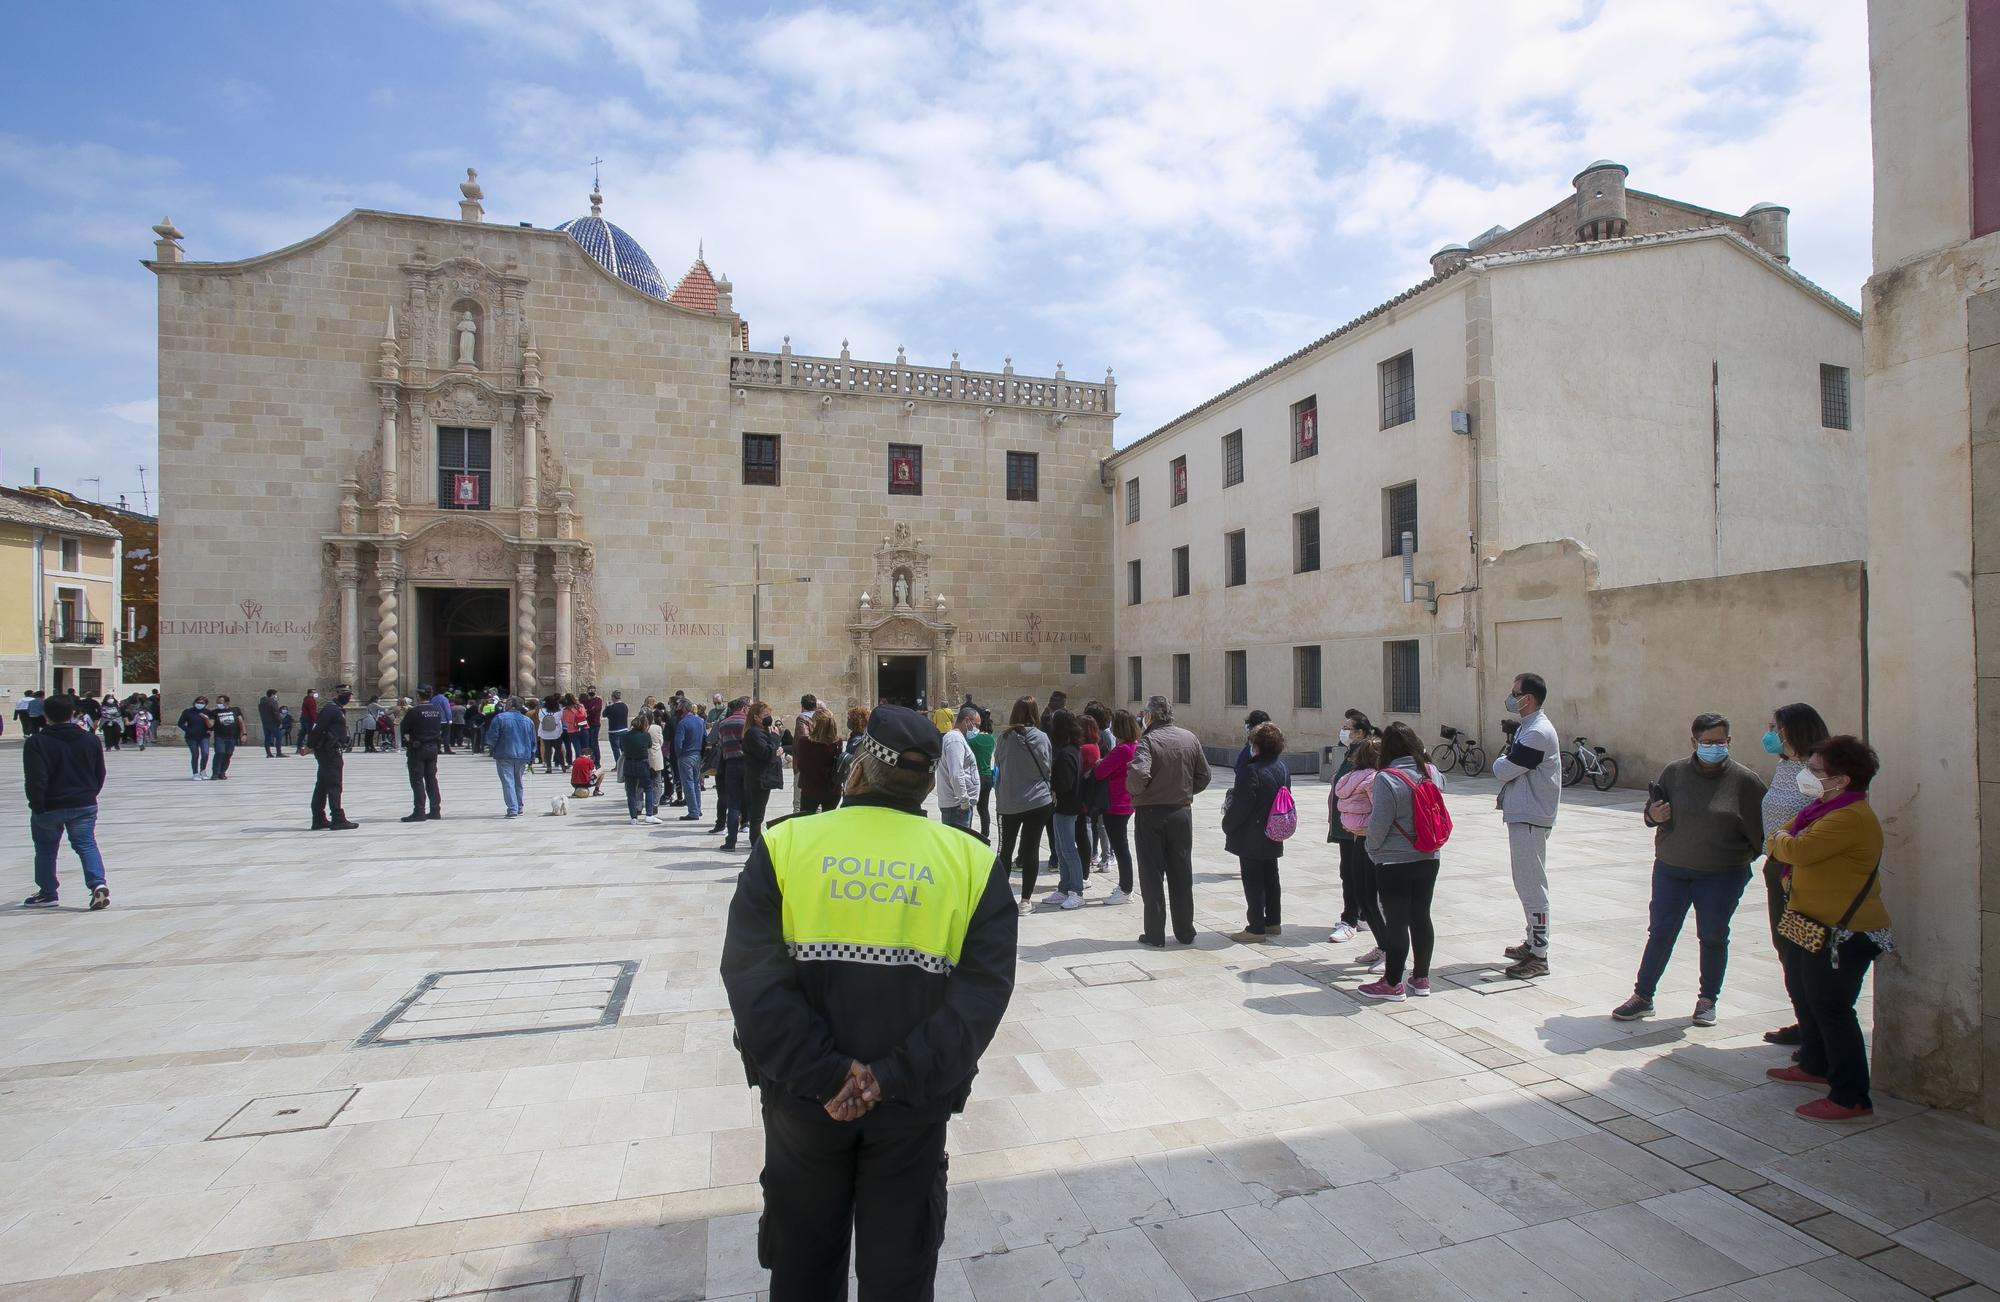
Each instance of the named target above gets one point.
<point>1257,821</point>
<point>1407,828</point>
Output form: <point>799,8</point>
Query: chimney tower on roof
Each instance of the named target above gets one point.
<point>1600,201</point>
<point>1770,229</point>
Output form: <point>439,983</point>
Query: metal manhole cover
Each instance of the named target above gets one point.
<point>482,1003</point>
<point>1110,974</point>
<point>284,1113</point>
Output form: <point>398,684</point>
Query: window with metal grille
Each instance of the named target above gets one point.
<point>1131,501</point>
<point>1177,481</point>
<point>465,468</point>
<point>1181,578</point>
<point>1183,679</point>
<point>1232,458</point>
<point>1305,428</point>
<point>1399,390</point>
<point>1131,583</point>
<point>760,459</point>
<point>1077,665</point>
<point>1399,516</point>
<point>1135,679</point>
<point>1400,674</point>
<point>1305,677</point>
<point>1235,560</point>
<point>906,470</point>
<point>1833,413</point>
<point>1305,531</point>
<point>1023,477</point>
<point>1238,672</point>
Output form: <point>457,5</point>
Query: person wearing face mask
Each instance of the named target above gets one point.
<point>327,740</point>
<point>1707,817</point>
<point>1358,908</point>
<point>1530,773</point>
<point>195,728</point>
<point>1791,735</point>
<point>1835,924</point>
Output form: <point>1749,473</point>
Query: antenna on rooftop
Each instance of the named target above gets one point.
<point>92,479</point>
<point>145,503</point>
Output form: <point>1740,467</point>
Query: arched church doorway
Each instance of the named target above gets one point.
<point>903,680</point>
<point>465,638</point>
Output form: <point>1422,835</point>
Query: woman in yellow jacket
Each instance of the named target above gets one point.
<point>1834,848</point>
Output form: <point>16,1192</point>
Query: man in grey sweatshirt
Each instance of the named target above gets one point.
<point>1530,773</point>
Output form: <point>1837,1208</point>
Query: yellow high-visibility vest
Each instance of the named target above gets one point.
<point>866,884</point>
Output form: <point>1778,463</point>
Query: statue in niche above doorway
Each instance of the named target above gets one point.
<point>902,589</point>
<point>468,337</point>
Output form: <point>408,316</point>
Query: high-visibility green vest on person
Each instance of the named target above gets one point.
<point>866,884</point>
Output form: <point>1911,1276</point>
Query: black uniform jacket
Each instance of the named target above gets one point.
<point>422,727</point>
<point>799,1025</point>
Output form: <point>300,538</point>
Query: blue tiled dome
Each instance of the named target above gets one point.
<point>614,250</point>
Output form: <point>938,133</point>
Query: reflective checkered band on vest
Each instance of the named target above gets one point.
<point>836,952</point>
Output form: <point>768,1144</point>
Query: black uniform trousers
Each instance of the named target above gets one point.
<point>881,1179</point>
<point>326,789</point>
<point>423,765</point>
<point>1163,838</point>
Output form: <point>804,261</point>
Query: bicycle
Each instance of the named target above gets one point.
<point>1592,762</point>
<point>1458,751</point>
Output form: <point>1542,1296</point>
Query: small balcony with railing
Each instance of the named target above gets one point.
<point>64,631</point>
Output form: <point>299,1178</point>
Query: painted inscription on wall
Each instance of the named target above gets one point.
<point>1032,633</point>
<point>670,625</point>
<point>251,625</point>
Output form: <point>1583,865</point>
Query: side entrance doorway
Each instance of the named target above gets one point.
<point>903,680</point>
<point>464,639</point>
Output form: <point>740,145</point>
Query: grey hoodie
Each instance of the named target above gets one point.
<point>1392,817</point>
<point>1021,761</point>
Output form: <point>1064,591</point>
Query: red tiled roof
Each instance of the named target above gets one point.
<point>696,290</point>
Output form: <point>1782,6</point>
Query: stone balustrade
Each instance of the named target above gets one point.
<point>900,379</point>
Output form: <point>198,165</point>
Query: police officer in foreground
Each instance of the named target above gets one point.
<point>423,736</point>
<point>869,959</point>
<point>327,739</point>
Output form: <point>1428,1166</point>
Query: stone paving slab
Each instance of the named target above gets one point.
<point>1204,1122</point>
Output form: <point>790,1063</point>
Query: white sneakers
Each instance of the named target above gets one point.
<point>1342,933</point>
<point>1116,897</point>
<point>1055,898</point>
<point>1073,900</point>
<point>652,818</point>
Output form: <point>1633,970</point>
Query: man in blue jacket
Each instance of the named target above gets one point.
<point>690,731</point>
<point>511,739</point>
<point>64,770</point>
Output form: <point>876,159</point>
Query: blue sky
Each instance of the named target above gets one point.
<point>1179,190</point>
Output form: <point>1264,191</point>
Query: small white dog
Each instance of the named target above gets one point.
<point>558,805</point>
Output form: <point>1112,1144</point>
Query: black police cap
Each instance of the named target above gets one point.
<point>898,731</point>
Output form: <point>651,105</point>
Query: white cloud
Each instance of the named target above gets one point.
<point>142,411</point>
<point>1184,191</point>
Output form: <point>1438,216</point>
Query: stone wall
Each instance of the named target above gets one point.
<point>1631,667</point>
<point>1934,559</point>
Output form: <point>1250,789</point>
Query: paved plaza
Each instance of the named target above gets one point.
<point>291,1065</point>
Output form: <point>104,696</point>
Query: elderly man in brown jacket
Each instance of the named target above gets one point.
<point>1167,772</point>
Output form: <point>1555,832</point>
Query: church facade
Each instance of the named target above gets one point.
<point>411,450</point>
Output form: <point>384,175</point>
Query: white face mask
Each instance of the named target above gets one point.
<point>1345,736</point>
<point>1810,786</point>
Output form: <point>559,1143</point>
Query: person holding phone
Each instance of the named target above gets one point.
<point>1707,817</point>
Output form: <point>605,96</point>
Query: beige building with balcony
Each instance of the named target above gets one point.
<point>60,594</point>
<point>1645,382</point>
<point>409,450</point>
